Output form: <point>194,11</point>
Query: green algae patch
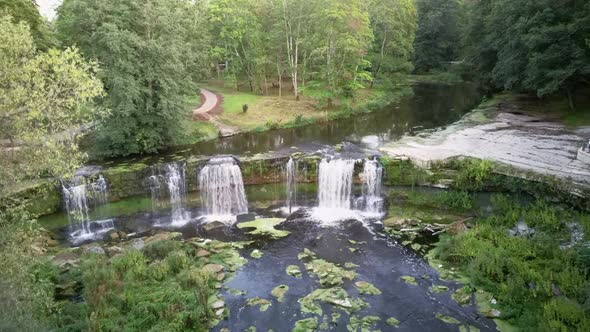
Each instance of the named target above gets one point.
<point>236,292</point>
<point>364,324</point>
<point>265,227</point>
<point>335,317</point>
<point>409,280</point>
<point>367,288</point>
<point>256,253</point>
<point>447,319</point>
<point>439,289</point>
<point>392,321</point>
<point>349,265</point>
<point>468,328</point>
<point>306,325</point>
<point>462,295</point>
<point>294,270</point>
<point>329,273</point>
<point>279,292</point>
<point>335,296</point>
<point>257,301</point>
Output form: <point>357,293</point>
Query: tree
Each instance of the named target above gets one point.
<point>147,50</point>
<point>438,36</point>
<point>394,26</point>
<point>531,46</point>
<point>27,11</point>
<point>42,96</point>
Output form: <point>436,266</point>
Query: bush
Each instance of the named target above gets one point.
<point>473,175</point>
<point>161,249</point>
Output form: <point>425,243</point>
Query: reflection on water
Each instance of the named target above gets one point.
<point>430,106</point>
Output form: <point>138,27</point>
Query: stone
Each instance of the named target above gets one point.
<point>391,321</point>
<point>203,253</point>
<point>95,250</point>
<point>494,313</point>
<point>409,280</point>
<point>114,250</point>
<point>218,304</point>
<point>111,236</point>
<point>64,259</point>
<point>366,288</point>
<point>137,244</point>
<point>213,268</point>
<point>279,292</point>
<point>220,276</point>
<point>245,217</point>
<point>213,225</point>
<point>219,312</point>
<point>294,270</point>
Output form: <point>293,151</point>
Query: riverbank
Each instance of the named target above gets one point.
<point>507,132</point>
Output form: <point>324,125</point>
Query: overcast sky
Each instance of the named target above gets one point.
<point>47,7</point>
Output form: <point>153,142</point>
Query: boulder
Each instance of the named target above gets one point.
<point>218,304</point>
<point>245,217</point>
<point>213,268</point>
<point>213,225</point>
<point>137,244</point>
<point>95,250</point>
<point>203,253</point>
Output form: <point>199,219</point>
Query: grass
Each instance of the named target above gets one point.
<point>273,112</point>
<point>538,285</point>
<point>193,131</point>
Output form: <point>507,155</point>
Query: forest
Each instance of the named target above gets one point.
<point>111,79</point>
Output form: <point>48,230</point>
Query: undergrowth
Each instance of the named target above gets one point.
<point>539,286</point>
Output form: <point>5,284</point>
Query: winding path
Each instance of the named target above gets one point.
<point>212,102</point>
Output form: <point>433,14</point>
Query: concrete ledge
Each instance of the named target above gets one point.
<point>583,156</point>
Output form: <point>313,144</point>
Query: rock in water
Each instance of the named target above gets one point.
<point>245,217</point>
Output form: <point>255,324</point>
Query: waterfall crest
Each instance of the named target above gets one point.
<point>176,182</point>
<point>222,188</point>
<point>335,183</point>
<point>291,175</point>
<point>371,178</point>
<point>79,197</point>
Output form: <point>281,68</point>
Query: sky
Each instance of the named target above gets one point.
<point>47,7</point>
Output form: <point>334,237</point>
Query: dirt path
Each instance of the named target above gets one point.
<point>208,110</point>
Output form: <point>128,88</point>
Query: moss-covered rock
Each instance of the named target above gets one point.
<point>306,325</point>
<point>279,292</point>
<point>366,288</point>
<point>263,304</point>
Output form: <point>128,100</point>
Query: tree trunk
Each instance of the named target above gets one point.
<point>570,99</point>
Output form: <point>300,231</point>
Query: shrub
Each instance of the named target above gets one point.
<point>177,261</point>
<point>161,249</point>
<point>473,175</point>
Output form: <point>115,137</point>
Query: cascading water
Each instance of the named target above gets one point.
<point>78,197</point>
<point>291,175</point>
<point>371,177</point>
<point>222,188</point>
<point>335,183</point>
<point>176,182</point>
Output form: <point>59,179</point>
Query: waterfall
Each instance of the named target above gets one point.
<point>335,183</point>
<point>371,178</point>
<point>78,198</point>
<point>291,175</point>
<point>222,188</point>
<point>176,182</point>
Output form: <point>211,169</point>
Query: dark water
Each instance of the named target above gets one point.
<point>381,261</point>
<point>430,106</point>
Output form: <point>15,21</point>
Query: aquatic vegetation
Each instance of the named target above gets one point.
<point>473,174</point>
<point>306,325</point>
<point>366,288</point>
<point>409,280</point>
<point>257,301</point>
<point>329,273</point>
<point>364,324</point>
<point>392,321</point>
<point>439,289</point>
<point>463,295</point>
<point>294,270</point>
<point>265,227</point>
<point>279,292</point>
<point>336,296</point>
<point>447,319</point>
<point>529,277</point>
<point>469,328</point>
<point>256,253</point>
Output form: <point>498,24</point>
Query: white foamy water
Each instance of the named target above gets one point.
<point>222,190</point>
<point>335,183</point>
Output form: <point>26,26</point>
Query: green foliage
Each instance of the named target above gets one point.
<point>161,249</point>
<point>438,34</point>
<point>524,273</point>
<point>137,291</point>
<point>536,46</point>
<point>26,11</point>
<point>402,172</point>
<point>473,174</point>
<point>41,97</point>
<point>130,39</point>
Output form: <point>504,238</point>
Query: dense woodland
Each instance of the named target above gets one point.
<point>126,66</point>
